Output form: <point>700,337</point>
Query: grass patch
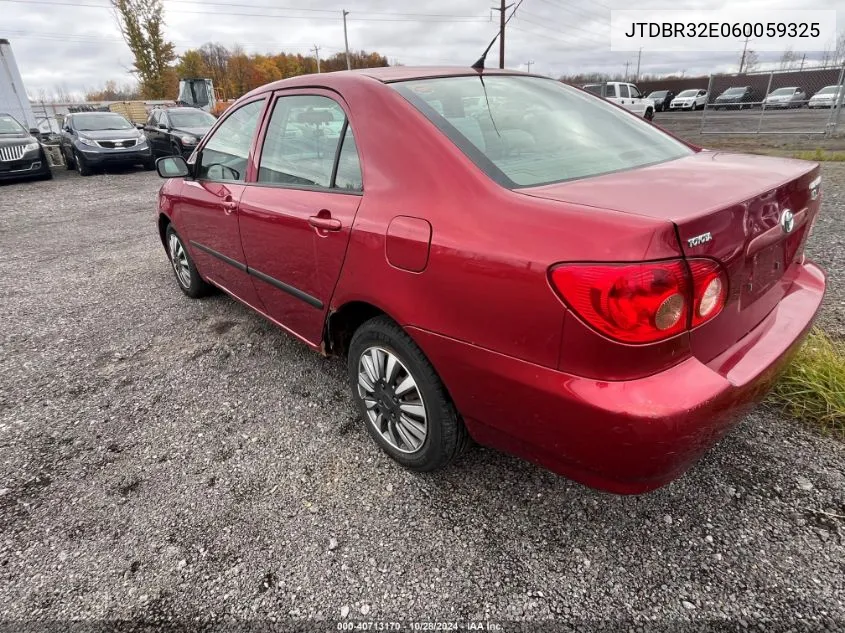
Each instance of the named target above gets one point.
<point>813,387</point>
<point>820,155</point>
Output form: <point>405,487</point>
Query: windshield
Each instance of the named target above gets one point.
<point>538,131</point>
<point>97,122</point>
<point>782,92</point>
<point>689,93</point>
<point>8,125</point>
<point>734,91</point>
<point>658,94</point>
<point>191,118</point>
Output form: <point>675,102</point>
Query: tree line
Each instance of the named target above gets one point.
<point>233,71</point>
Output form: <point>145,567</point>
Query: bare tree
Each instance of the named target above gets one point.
<point>788,59</point>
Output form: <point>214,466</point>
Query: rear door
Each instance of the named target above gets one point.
<point>296,216</point>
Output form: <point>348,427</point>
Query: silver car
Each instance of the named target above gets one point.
<point>791,97</point>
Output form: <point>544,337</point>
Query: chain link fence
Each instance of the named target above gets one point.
<point>775,102</point>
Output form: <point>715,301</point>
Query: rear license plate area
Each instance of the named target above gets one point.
<point>767,268</point>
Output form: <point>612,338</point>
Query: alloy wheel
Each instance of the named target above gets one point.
<point>393,401</point>
<point>179,259</point>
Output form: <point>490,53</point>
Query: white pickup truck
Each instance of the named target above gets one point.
<point>625,94</point>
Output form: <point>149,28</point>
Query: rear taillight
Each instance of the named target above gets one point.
<point>709,290</point>
<point>643,302</point>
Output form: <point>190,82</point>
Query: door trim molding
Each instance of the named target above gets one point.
<point>291,290</point>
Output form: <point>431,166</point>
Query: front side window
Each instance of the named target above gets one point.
<point>226,154</point>
<point>635,93</point>
<point>532,131</point>
<point>301,146</point>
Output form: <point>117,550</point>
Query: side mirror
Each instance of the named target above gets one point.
<point>162,126</point>
<point>140,126</point>
<point>172,167</point>
<point>34,131</point>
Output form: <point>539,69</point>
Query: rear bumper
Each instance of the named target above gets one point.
<point>626,437</point>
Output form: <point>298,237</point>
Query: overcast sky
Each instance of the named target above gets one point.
<point>76,43</point>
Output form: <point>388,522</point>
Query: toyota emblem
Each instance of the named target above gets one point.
<point>787,221</point>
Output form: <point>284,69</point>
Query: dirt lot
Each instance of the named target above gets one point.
<point>184,461</point>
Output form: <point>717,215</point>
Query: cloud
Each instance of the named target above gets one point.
<point>80,47</point>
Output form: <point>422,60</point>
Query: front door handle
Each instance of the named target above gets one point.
<point>229,205</point>
<point>324,223</point>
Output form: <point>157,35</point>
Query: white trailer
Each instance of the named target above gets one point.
<point>13,98</point>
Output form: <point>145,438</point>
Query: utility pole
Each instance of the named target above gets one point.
<point>528,63</point>
<point>346,40</point>
<point>639,57</point>
<point>742,59</point>
<point>627,63</point>
<point>803,57</point>
<point>501,9</point>
<point>316,50</point>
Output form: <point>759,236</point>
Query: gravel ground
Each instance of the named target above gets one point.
<point>176,460</point>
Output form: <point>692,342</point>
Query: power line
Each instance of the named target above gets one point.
<point>431,18</point>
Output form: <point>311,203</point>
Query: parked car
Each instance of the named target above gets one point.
<point>693,99</point>
<point>625,94</point>
<point>514,277</point>
<point>827,97</point>
<point>736,98</point>
<point>176,131</point>
<point>662,99</point>
<point>90,140</point>
<point>792,97</point>
<point>21,154</point>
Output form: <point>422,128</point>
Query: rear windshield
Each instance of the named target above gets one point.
<point>827,90</point>
<point>593,88</point>
<point>530,131</point>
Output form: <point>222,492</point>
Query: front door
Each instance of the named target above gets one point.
<point>296,218</point>
<point>206,214</point>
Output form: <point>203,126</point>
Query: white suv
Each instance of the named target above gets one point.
<point>625,94</point>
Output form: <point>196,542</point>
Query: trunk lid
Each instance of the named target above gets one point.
<point>727,207</point>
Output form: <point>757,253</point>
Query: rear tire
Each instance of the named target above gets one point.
<point>187,277</point>
<point>400,397</point>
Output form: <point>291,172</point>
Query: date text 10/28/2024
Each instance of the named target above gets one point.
<point>481,625</point>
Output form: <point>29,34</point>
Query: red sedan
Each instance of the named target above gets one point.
<point>504,258</point>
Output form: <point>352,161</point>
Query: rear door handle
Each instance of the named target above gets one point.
<point>324,223</point>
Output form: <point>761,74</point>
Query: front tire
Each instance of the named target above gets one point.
<point>402,400</point>
<point>81,166</point>
<point>187,277</point>
<point>649,114</point>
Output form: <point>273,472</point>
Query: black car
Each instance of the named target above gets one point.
<point>21,154</point>
<point>100,139</point>
<point>736,98</point>
<point>176,131</point>
<point>662,99</point>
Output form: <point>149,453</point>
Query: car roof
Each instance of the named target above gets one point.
<point>385,74</point>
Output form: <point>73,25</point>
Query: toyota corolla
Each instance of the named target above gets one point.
<point>504,258</point>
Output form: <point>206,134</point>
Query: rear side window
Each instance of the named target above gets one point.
<point>225,155</point>
<point>623,90</point>
<point>309,143</point>
<point>530,131</point>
